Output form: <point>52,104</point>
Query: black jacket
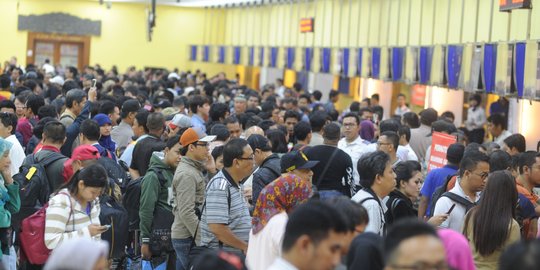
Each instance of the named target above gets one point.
<point>269,170</point>
<point>399,207</point>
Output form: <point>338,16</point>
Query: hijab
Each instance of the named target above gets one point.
<point>283,194</point>
<point>458,252</point>
<point>105,141</point>
<point>4,146</point>
<point>367,130</point>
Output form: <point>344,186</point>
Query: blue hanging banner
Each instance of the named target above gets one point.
<point>489,66</point>
<point>290,57</point>
<point>453,64</point>
<point>375,62</point>
<point>261,56</point>
<point>193,54</point>
<point>206,53</point>
<point>359,61</point>
<point>236,55</point>
<point>273,56</point>
<point>308,58</point>
<point>519,67</point>
<point>345,63</point>
<point>426,55</point>
<point>398,56</point>
<point>251,59</point>
<point>325,60</point>
<point>221,54</point>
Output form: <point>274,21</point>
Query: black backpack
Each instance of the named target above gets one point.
<point>438,193</point>
<point>456,198</point>
<point>114,214</point>
<point>114,170</point>
<point>34,185</point>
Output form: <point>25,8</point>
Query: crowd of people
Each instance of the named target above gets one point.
<point>157,168</point>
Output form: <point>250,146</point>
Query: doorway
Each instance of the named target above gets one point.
<point>64,50</point>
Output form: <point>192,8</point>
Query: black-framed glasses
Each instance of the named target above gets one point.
<point>246,158</point>
<point>483,175</point>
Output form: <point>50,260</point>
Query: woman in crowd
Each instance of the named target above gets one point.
<point>275,201</point>
<point>408,184</point>
<point>476,119</point>
<point>10,202</point>
<point>106,147</point>
<point>73,211</point>
<point>367,130</point>
<point>278,140</point>
<point>491,226</point>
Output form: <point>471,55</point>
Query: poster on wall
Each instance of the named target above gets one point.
<point>439,146</point>
<point>418,97</point>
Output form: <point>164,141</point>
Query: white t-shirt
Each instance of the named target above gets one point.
<point>16,154</point>
<point>265,246</point>
<point>375,212</point>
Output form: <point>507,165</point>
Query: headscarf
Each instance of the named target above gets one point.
<point>105,141</point>
<point>366,252</point>
<point>458,252</point>
<point>367,130</point>
<point>77,254</point>
<point>283,194</point>
<point>4,146</point>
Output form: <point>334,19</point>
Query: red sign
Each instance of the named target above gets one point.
<point>508,5</point>
<point>439,145</point>
<point>306,25</point>
<point>418,96</point>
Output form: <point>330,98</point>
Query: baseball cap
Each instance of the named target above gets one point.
<point>102,119</point>
<point>257,141</point>
<point>85,152</point>
<point>192,135</point>
<point>180,120</point>
<point>296,160</point>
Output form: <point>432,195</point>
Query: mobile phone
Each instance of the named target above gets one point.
<point>451,209</point>
<point>94,82</point>
<point>107,227</point>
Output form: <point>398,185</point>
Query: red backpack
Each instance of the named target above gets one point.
<point>32,235</point>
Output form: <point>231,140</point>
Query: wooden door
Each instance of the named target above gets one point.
<point>59,49</point>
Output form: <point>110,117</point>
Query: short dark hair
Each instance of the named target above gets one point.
<point>302,130</point>
<point>333,93</point>
<point>47,111</point>
<point>428,116</point>
<point>402,230</point>
<point>411,119</point>
<point>218,110</point>
<point>107,107</point>
<point>393,137</point>
<point>142,116</point>
<point>55,132</point>
<point>9,119</point>
<point>218,151</point>
<point>405,130</point>
<point>68,85</point>
<point>155,122</point>
<point>526,159</point>
<point>448,114</point>
<point>8,104</point>
<point>268,106</point>
<point>278,140</point>
<point>129,106</point>
<point>404,171</point>
<point>231,120</point>
<point>196,101</point>
<point>90,129</point>
<point>470,160</point>
<point>355,107</point>
<point>353,115</point>
<point>370,165</point>
<point>34,102</point>
<point>499,160</point>
<point>316,219</point>
<point>317,120</point>
<point>523,255</point>
<point>389,125</point>
<point>375,96</point>
<point>5,81</point>
<point>317,95</point>
<point>331,132</point>
<point>498,119</point>
<point>233,149</point>
<point>74,95</point>
<point>172,141</point>
<point>355,213</point>
<point>516,140</point>
<point>292,114</point>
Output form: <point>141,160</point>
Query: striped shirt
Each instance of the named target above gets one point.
<point>63,207</point>
<point>217,211</point>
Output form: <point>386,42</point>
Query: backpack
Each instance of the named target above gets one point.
<point>34,185</point>
<point>439,191</point>
<point>114,170</point>
<point>32,235</point>
<point>456,198</point>
<point>114,214</point>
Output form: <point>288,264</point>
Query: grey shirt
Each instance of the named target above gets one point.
<point>420,141</point>
<point>122,135</point>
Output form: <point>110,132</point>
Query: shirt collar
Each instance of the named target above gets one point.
<point>229,177</point>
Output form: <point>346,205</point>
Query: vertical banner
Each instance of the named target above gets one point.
<point>453,64</point>
<point>325,60</point>
<point>375,62</point>
<point>424,59</point>
<point>345,53</point>
<point>488,67</point>
<point>535,93</point>
<point>221,54</point>
<point>439,146</point>
<point>206,53</point>
<point>237,52</point>
<point>261,56</point>
<point>358,61</point>
<point>366,63</point>
<point>397,57</point>
<point>410,73</point>
<point>519,67</point>
<point>531,69</point>
<point>503,71</point>
<point>193,53</point>
<point>385,64</point>
<point>308,58</point>
<point>437,66</point>
<point>251,58</point>
<point>290,57</point>
<point>273,56</point>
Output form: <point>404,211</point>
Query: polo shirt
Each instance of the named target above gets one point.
<point>217,211</point>
<point>435,179</point>
<point>355,149</point>
<point>457,217</point>
<point>121,135</point>
<point>375,210</point>
<point>420,141</point>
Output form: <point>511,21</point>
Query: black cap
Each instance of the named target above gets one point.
<point>296,160</point>
<point>163,104</point>
<point>257,141</point>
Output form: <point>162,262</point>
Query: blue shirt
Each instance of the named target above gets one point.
<point>527,208</point>
<point>197,121</point>
<point>435,179</point>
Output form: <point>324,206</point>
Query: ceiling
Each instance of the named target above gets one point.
<point>200,3</point>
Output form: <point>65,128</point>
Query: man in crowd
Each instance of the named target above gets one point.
<point>317,120</point>
<point>404,133</point>
<point>497,128</point>
<point>140,132</point>
<point>110,109</point>
<point>75,100</point>
<point>268,164</point>
<point>352,144</point>
<point>388,142</point>
<point>514,144</point>
<point>529,177</point>
<point>420,139</point>
<point>234,127</point>
<point>333,98</point>
<point>199,108</point>
<point>123,133</point>
<point>291,119</point>
<point>143,150</point>
<point>8,125</point>
<point>54,135</point>
<point>303,134</point>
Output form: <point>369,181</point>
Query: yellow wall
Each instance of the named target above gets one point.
<point>123,32</point>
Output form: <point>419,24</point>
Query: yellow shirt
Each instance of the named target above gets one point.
<point>6,94</point>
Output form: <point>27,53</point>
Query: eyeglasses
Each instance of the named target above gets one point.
<point>247,158</point>
<point>483,175</point>
<point>422,266</point>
